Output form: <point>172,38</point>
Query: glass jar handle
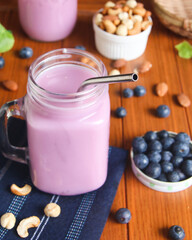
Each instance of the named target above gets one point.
<point>10,109</point>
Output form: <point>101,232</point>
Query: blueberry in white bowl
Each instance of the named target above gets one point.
<point>162,160</point>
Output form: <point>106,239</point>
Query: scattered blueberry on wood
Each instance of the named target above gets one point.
<point>26,52</point>
<point>176,233</point>
<point>2,62</point>
<point>121,112</point>
<point>128,93</point>
<point>123,215</point>
<point>80,47</point>
<point>140,91</point>
<point>163,111</point>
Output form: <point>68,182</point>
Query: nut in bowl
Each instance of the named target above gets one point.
<point>122,29</point>
<point>168,168</point>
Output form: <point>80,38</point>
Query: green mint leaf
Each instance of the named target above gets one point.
<point>184,50</point>
<point>6,39</point>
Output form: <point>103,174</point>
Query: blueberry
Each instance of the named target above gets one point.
<point>163,134</point>
<point>80,47</point>
<point>26,52</point>
<point>182,137</point>
<point>166,155</point>
<point>167,167</point>
<point>153,170</point>
<point>123,215</point>
<point>141,160</point>
<point>163,111</point>
<point>167,142</point>
<point>176,160</point>
<point>162,177</point>
<point>150,136</point>
<point>121,112</point>
<point>155,146</point>
<point>186,167</point>
<point>180,149</point>
<point>176,233</point>
<point>2,62</point>
<point>182,176</point>
<point>154,156</point>
<point>139,145</point>
<point>173,176</point>
<point>139,91</point>
<point>128,92</point>
<point>189,156</point>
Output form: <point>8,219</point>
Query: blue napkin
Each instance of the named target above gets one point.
<point>82,217</point>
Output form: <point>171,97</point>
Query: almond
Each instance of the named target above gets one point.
<point>161,89</point>
<point>10,85</point>
<point>119,63</point>
<point>144,67</point>
<point>110,17</point>
<point>183,100</point>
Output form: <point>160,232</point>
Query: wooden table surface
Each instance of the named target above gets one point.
<point>152,212</point>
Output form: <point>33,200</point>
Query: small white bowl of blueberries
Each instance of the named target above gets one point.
<point>163,160</point>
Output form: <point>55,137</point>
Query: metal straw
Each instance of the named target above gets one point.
<point>131,77</point>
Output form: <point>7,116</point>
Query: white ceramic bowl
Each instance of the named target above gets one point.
<point>156,184</point>
<point>116,47</point>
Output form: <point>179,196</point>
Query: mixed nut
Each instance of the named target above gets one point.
<point>123,18</point>
<point>8,219</point>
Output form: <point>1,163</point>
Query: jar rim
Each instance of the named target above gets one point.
<point>63,96</point>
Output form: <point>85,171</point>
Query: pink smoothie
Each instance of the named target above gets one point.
<point>68,148</point>
<point>47,20</point>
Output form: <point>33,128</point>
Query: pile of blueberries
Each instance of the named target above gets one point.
<point>162,156</point>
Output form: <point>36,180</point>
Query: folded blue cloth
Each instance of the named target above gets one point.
<point>82,217</point>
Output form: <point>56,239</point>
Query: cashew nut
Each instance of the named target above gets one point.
<point>131,3</point>
<point>25,224</point>
<point>21,191</point>
<point>98,18</point>
<point>52,210</point>
<point>8,220</point>
<point>109,4</point>
<point>109,26</point>
<point>139,11</point>
<point>122,30</point>
<point>114,72</point>
<point>136,28</point>
<point>114,11</point>
<point>145,25</point>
